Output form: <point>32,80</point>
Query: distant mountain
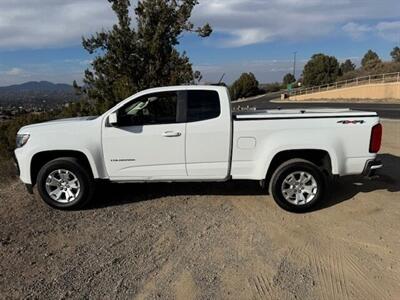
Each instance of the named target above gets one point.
<point>43,86</point>
<point>36,92</point>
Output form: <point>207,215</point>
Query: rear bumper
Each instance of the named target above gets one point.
<point>371,166</point>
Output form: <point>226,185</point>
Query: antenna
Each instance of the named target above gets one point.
<point>222,77</point>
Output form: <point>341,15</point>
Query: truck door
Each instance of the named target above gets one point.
<point>208,135</point>
<point>148,142</point>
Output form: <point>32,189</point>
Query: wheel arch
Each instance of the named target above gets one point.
<point>41,158</point>
<point>319,157</point>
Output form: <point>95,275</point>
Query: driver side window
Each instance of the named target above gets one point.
<point>151,109</point>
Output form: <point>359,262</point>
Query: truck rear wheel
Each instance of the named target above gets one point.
<point>64,184</point>
<point>297,185</point>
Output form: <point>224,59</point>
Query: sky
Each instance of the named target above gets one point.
<point>41,39</point>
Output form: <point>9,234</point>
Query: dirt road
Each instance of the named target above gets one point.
<point>205,241</point>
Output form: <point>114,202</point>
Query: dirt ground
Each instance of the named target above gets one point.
<point>207,241</point>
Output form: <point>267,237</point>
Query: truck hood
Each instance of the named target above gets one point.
<point>58,122</point>
<point>88,118</point>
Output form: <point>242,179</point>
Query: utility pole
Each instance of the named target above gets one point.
<point>294,63</point>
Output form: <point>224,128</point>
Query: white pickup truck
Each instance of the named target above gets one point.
<point>189,133</point>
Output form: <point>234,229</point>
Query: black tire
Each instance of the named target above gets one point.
<point>284,170</point>
<point>84,177</point>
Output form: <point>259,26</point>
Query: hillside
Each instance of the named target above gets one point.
<point>34,92</point>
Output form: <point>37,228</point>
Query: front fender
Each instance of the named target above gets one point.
<point>25,158</point>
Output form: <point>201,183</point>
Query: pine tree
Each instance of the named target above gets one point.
<point>347,66</point>
<point>131,58</point>
<point>395,54</point>
<point>246,86</point>
<point>288,79</point>
<point>320,69</point>
<point>370,60</point>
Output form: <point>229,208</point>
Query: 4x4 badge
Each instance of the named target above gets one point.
<point>352,122</point>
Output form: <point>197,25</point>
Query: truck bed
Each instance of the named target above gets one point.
<point>343,133</point>
<point>300,113</point>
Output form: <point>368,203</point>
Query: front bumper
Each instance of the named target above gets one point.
<point>28,186</point>
<point>23,162</point>
<point>371,167</point>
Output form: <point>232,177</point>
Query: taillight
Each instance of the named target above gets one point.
<point>376,138</point>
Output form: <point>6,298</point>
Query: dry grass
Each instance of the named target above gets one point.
<point>7,171</point>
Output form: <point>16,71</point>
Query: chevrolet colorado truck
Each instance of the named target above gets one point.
<point>190,133</point>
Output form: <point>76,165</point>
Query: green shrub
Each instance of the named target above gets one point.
<point>245,86</point>
<point>271,87</point>
<point>288,79</point>
<point>320,69</point>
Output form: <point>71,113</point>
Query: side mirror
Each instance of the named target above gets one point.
<point>113,119</point>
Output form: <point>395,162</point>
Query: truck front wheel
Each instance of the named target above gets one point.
<point>297,185</point>
<point>64,184</point>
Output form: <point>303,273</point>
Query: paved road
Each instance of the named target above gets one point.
<point>391,111</point>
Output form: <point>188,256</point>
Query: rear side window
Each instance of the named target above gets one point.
<point>202,105</point>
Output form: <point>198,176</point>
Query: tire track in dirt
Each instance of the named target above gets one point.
<point>365,286</point>
<point>344,290</point>
<point>337,271</point>
<point>334,267</point>
<point>338,275</point>
<point>327,267</point>
<point>261,288</point>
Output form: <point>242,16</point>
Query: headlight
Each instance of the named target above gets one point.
<point>22,139</point>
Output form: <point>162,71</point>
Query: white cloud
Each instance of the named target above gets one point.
<point>64,71</point>
<point>357,31</point>
<point>50,23</point>
<point>58,23</point>
<point>247,22</point>
<point>247,37</point>
<point>387,30</point>
<point>85,62</point>
<point>13,75</point>
<point>14,72</point>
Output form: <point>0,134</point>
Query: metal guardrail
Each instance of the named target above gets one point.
<point>370,79</point>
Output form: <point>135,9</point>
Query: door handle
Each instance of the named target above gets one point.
<point>171,134</point>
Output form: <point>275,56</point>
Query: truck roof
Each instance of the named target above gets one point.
<point>184,87</point>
